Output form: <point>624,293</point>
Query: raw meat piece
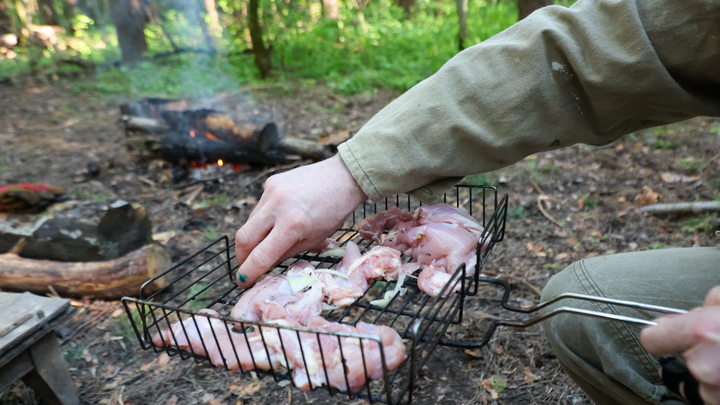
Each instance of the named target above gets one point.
<point>447,214</point>
<point>446,245</point>
<point>379,263</point>
<point>431,281</point>
<point>340,290</point>
<point>195,334</point>
<point>373,226</point>
<point>300,306</point>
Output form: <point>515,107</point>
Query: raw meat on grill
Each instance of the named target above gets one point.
<point>357,269</point>
<point>373,226</point>
<point>215,339</point>
<point>447,214</point>
<point>300,305</point>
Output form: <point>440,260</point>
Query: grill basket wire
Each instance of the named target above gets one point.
<point>206,280</point>
<point>537,318</point>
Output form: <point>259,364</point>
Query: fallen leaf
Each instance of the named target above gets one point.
<point>147,366</point>
<point>207,397</point>
<point>116,313</point>
<point>528,376</point>
<point>648,197</point>
<point>668,177</point>
<point>475,353</point>
<point>163,359</point>
<point>172,400</point>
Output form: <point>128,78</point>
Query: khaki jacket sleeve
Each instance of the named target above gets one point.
<point>590,73</point>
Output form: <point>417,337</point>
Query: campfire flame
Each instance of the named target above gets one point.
<point>220,162</point>
<point>210,136</point>
<point>192,133</point>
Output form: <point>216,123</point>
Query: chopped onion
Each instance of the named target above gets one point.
<point>328,307</point>
<point>336,252</point>
<point>333,272</point>
<point>298,284</point>
<point>389,295</point>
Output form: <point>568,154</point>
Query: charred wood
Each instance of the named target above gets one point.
<point>78,231</point>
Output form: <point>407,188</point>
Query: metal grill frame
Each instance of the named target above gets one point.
<point>425,319</point>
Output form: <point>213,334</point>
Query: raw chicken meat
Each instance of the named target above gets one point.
<point>339,289</point>
<point>447,214</point>
<point>328,244</point>
<point>448,246</point>
<point>300,305</point>
<point>373,226</point>
<point>432,280</point>
<point>224,347</point>
<point>379,263</point>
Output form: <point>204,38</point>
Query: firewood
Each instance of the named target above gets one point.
<point>682,208</point>
<point>307,149</point>
<point>78,231</point>
<point>111,279</point>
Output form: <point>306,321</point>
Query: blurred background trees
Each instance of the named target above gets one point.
<point>171,46</point>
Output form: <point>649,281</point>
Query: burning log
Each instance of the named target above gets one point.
<point>110,279</point>
<point>78,231</point>
<point>159,128</point>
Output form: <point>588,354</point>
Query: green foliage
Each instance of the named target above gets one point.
<point>663,142</point>
<point>125,328</point>
<point>518,212</point>
<point>482,179</point>
<point>73,352</point>
<point>702,224</point>
<point>691,163</point>
<point>380,48</point>
<point>655,246</point>
<point>209,234</point>
<point>196,294</point>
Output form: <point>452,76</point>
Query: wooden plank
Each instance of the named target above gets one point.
<point>15,306</point>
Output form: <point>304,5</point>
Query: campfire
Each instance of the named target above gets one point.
<point>173,131</point>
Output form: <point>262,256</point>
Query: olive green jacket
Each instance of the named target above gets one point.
<point>585,74</point>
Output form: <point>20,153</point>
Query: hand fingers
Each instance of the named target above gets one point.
<point>673,334</point>
<point>713,297</point>
<point>250,235</point>
<point>702,362</point>
<point>710,395</point>
<point>265,255</point>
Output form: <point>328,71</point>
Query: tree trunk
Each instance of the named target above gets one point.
<point>129,19</point>
<point>212,14</point>
<point>87,7</point>
<point>47,12</point>
<point>5,22</point>
<point>112,279</point>
<point>262,56</point>
<point>330,9</point>
<point>525,7</point>
<point>407,5</point>
<point>69,14</point>
<point>462,30</point>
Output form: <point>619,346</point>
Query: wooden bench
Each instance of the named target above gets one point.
<point>29,349</point>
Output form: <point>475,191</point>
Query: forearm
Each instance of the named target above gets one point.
<point>589,74</point>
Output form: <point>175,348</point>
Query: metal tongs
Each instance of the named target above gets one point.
<point>674,371</point>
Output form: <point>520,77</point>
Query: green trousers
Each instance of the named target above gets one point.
<point>605,358</point>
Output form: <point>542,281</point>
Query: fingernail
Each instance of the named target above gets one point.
<point>241,277</point>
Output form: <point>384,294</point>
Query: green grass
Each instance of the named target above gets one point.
<point>209,234</point>
<point>517,212</point>
<point>691,163</point>
<point>663,143</point>
<point>125,328</point>
<point>196,294</point>
<point>482,179</point>
<point>701,224</point>
<point>73,353</point>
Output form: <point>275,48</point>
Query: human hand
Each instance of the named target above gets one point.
<point>696,335</point>
<point>297,211</point>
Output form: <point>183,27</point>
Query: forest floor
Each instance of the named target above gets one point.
<point>49,134</point>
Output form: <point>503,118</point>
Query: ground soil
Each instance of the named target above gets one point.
<point>565,205</point>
